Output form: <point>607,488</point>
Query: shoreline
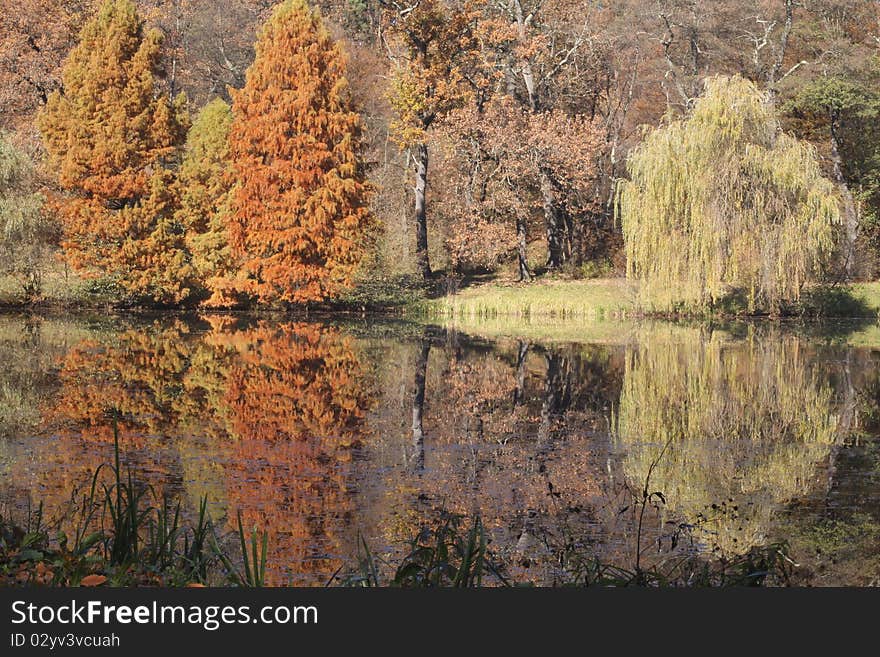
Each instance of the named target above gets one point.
<point>545,299</point>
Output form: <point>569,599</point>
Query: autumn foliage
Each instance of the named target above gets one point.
<point>505,159</point>
<point>205,185</point>
<point>111,140</point>
<point>299,211</point>
<point>270,414</point>
<point>296,403</point>
<point>496,134</point>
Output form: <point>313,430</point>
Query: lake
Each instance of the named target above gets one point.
<point>335,434</point>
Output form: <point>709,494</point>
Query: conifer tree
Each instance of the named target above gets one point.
<point>205,183</point>
<point>111,139</point>
<point>299,210</point>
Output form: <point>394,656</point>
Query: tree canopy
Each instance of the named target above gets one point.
<point>299,210</point>
<point>724,201</point>
<point>205,186</point>
<point>111,139</point>
<point>514,125</point>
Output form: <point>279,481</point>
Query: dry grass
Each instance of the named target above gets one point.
<point>601,298</point>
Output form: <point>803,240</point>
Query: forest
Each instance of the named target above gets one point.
<point>245,153</point>
<point>291,293</point>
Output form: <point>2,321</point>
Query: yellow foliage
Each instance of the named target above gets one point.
<point>723,200</point>
<point>719,424</point>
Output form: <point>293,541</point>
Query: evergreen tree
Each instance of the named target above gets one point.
<point>111,139</point>
<point>205,184</point>
<point>299,210</point>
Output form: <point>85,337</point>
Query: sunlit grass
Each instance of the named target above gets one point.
<point>554,303</point>
<point>868,294</point>
<point>603,298</point>
<point>59,287</point>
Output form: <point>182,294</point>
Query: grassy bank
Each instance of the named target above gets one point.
<point>601,298</point>
<point>615,298</point>
<point>543,302</point>
<point>62,289</point>
<point>65,290</point>
<point>868,294</point>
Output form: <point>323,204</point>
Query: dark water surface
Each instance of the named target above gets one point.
<point>324,432</point>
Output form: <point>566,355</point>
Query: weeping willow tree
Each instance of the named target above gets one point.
<point>723,201</point>
<point>26,234</point>
<point>728,430</point>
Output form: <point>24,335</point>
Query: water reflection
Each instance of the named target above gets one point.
<point>262,419</point>
<point>323,433</point>
<point>505,429</point>
<point>727,430</point>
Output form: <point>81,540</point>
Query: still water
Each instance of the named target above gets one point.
<point>324,433</point>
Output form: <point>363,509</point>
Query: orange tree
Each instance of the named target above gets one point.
<point>111,140</point>
<point>296,400</point>
<point>299,211</point>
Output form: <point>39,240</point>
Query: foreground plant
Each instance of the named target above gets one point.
<point>121,535</point>
<point>450,555</point>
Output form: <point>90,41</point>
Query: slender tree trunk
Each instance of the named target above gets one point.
<point>421,210</point>
<point>848,421</point>
<point>519,391</point>
<point>522,25</point>
<point>776,66</point>
<point>552,399</point>
<point>521,241</point>
<point>553,220</point>
<point>418,433</point>
<point>612,168</point>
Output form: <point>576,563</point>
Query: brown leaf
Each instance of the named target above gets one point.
<point>93,580</point>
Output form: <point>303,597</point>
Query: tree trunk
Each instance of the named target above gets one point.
<point>848,417</point>
<point>421,212</point>
<point>522,25</point>
<point>524,273</point>
<point>776,66</point>
<point>554,223</point>
<point>418,434</point>
<point>519,391</point>
<point>552,400</point>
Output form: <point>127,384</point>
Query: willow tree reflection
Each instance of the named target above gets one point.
<point>728,430</point>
